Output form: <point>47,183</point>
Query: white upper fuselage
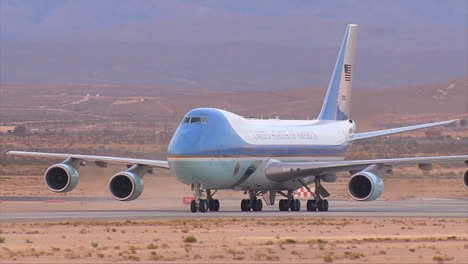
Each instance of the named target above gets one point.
<point>290,132</point>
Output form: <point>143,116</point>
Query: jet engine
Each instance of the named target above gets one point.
<point>128,185</point>
<point>465,179</point>
<point>365,186</point>
<point>62,177</point>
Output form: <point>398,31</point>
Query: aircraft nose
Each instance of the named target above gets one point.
<point>186,141</point>
<point>190,136</point>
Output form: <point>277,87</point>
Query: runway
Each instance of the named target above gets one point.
<point>230,209</point>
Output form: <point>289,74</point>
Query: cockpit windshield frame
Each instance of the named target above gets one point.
<point>194,120</point>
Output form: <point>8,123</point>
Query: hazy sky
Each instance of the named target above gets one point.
<point>233,40</point>
<point>28,18</point>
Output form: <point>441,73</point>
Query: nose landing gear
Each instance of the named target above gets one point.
<point>201,204</point>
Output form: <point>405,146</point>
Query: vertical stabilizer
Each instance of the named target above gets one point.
<point>336,105</point>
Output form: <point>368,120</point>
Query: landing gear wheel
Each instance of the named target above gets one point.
<point>245,205</point>
<point>283,205</point>
<point>322,205</point>
<point>311,205</point>
<point>257,205</point>
<point>295,205</point>
<point>193,206</point>
<point>203,206</point>
<point>213,205</point>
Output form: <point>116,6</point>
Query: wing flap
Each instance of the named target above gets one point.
<point>117,160</point>
<point>284,171</point>
<point>385,132</point>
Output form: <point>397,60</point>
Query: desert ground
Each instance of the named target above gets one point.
<point>244,240</point>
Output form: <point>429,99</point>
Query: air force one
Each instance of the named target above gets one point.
<point>213,149</point>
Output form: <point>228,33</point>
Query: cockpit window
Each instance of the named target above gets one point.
<point>195,120</point>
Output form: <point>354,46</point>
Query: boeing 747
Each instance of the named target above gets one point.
<point>213,149</point>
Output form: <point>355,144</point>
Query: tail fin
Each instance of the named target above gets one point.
<point>336,105</point>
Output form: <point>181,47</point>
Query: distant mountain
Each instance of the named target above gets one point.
<point>232,66</point>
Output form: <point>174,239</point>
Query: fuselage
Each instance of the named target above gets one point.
<point>222,150</point>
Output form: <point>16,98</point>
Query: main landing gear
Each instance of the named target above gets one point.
<point>318,203</point>
<point>314,205</point>
<point>290,203</point>
<point>201,204</point>
<point>252,203</point>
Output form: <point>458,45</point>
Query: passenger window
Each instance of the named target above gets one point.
<point>195,120</point>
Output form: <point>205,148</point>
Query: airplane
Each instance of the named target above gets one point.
<point>213,149</point>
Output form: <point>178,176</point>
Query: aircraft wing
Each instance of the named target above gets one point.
<point>284,171</point>
<point>385,132</point>
<point>103,159</point>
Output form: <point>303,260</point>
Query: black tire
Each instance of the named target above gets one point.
<point>260,205</point>
<point>325,205</point>
<point>193,206</point>
<point>254,205</point>
<point>283,205</point>
<point>314,205</point>
<point>292,205</point>
<point>297,204</point>
<point>311,206</point>
<point>203,206</point>
<point>257,205</point>
<point>245,205</point>
<point>213,205</point>
<point>321,205</point>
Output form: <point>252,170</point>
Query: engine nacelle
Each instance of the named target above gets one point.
<point>128,185</point>
<point>365,186</point>
<point>465,179</point>
<point>62,177</point>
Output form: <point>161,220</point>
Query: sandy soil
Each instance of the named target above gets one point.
<point>279,240</point>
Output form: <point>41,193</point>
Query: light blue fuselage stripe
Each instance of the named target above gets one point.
<point>283,150</point>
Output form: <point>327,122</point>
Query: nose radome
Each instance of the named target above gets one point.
<point>185,141</point>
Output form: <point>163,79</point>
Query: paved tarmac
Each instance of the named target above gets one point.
<point>230,209</point>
